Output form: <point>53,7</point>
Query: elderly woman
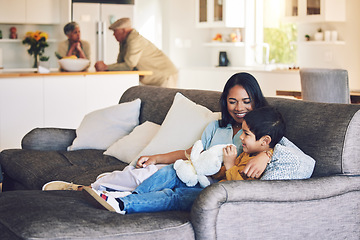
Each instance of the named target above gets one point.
<point>73,45</point>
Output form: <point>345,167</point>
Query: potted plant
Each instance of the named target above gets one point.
<point>319,35</point>
<point>37,42</point>
<point>307,37</point>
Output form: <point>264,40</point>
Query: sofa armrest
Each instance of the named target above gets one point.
<point>48,139</point>
<point>261,203</point>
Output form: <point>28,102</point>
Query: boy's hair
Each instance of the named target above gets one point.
<point>266,121</point>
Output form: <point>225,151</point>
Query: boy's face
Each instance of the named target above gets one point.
<point>248,139</point>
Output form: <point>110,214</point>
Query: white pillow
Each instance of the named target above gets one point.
<point>288,162</point>
<point>181,128</point>
<point>101,128</point>
<point>128,147</point>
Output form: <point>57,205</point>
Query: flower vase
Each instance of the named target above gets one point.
<point>35,61</point>
<point>43,67</point>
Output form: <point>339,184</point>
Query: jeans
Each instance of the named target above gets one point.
<point>163,191</point>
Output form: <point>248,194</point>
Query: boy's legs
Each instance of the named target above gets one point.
<point>164,200</point>
<point>165,178</point>
<point>126,180</point>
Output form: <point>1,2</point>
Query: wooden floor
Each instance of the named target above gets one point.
<point>354,95</point>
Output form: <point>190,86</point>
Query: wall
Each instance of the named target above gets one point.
<point>345,56</point>
<point>148,20</point>
<point>16,53</point>
<point>184,43</point>
<point>351,55</point>
<point>170,25</point>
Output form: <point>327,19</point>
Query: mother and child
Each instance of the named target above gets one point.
<point>247,122</point>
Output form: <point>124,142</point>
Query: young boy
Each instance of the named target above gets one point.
<point>262,130</point>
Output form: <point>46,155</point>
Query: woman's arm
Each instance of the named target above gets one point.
<point>76,46</point>
<point>256,166</point>
<point>80,50</point>
<point>166,158</point>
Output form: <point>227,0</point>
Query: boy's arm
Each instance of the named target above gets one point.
<point>236,171</point>
<point>229,158</point>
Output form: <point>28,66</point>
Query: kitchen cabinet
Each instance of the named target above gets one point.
<point>21,107</point>
<point>13,11</point>
<point>220,13</point>
<point>307,11</point>
<point>55,100</point>
<point>30,11</point>
<point>43,12</point>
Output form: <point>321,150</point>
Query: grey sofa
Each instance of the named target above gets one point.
<point>325,206</point>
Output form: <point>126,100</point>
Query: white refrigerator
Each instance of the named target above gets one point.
<point>94,20</point>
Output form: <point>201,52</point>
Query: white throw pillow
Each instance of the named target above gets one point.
<point>101,128</point>
<point>128,147</point>
<point>288,163</point>
<point>181,128</point>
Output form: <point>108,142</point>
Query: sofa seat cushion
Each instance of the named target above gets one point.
<point>40,167</point>
<point>67,215</point>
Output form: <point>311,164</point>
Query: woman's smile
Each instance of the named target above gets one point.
<point>241,115</point>
<point>239,103</point>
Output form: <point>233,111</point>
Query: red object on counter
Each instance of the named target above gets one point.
<point>13,34</point>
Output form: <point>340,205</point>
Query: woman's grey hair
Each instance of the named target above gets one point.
<point>70,27</point>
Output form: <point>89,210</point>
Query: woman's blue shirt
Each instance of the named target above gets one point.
<point>214,135</point>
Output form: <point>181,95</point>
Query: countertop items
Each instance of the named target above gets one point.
<point>6,74</point>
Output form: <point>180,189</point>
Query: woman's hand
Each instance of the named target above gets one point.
<point>256,166</point>
<point>166,158</point>
<point>78,46</point>
<point>145,161</point>
<point>229,156</point>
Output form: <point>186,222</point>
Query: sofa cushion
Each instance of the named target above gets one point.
<point>128,147</point>
<point>156,101</point>
<point>181,128</point>
<point>321,130</point>
<point>101,128</point>
<point>67,215</point>
<point>40,167</point>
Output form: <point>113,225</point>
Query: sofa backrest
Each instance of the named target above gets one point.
<point>326,132</point>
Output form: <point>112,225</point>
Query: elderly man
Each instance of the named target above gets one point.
<point>138,53</point>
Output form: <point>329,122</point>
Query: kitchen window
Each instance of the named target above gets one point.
<point>280,36</point>
<point>282,43</point>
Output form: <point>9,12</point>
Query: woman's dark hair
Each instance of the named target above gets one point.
<point>251,86</point>
<point>266,121</point>
<point>70,27</point>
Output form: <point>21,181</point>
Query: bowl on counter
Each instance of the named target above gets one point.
<point>74,65</point>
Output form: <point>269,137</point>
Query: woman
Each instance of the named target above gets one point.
<point>73,45</point>
<point>245,95</point>
<point>241,95</point>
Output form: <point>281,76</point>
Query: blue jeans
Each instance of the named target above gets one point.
<point>163,191</point>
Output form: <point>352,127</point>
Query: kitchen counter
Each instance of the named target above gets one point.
<point>270,78</point>
<point>259,68</point>
<point>56,99</point>
<point>16,74</point>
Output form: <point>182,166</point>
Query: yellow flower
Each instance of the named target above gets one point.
<point>43,35</point>
<point>28,34</point>
<point>36,35</point>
